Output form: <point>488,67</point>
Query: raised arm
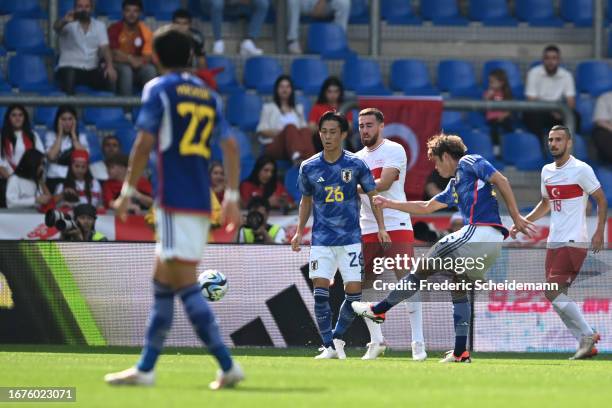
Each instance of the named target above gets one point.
<point>412,207</point>
<point>503,185</point>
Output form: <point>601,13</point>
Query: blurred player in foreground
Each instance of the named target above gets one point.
<point>180,118</point>
<point>470,189</point>
<point>330,179</point>
<point>387,162</point>
<point>566,185</point>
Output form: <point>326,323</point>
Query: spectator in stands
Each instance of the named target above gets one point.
<point>26,187</point>
<point>498,121</point>
<point>183,20</point>
<point>117,170</point>
<point>331,97</point>
<point>263,182</point>
<point>111,146</point>
<point>61,142</point>
<point>84,216</point>
<point>339,9</point>
<point>256,229</point>
<point>282,127</point>
<point>259,10</point>
<point>79,186</point>
<point>549,82</point>
<point>16,138</point>
<point>131,43</point>
<point>602,132</point>
<point>217,180</point>
<point>81,39</point>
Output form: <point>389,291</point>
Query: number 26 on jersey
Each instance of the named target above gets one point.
<point>334,194</point>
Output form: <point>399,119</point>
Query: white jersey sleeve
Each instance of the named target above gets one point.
<point>587,179</point>
<point>542,185</point>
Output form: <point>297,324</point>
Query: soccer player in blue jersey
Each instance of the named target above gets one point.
<point>180,118</point>
<point>470,189</point>
<point>330,181</point>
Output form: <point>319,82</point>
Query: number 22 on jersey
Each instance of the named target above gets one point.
<point>198,113</point>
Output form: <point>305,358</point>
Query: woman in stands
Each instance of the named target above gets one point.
<point>331,97</point>
<point>16,138</point>
<point>499,121</point>
<point>263,182</point>
<point>25,187</point>
<point>61,142</point>
<point>282,126</point>
<point>217,179</point>
<point>79,187</point>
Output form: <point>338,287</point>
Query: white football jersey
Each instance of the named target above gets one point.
<point>388,155</point>
<point>568,187</point>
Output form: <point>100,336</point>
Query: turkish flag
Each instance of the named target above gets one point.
<point>410,122</point>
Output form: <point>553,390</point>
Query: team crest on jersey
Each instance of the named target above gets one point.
<point>314,265</point>
<point>347,175</point>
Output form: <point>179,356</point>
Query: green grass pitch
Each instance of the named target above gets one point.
<point>292,378</point>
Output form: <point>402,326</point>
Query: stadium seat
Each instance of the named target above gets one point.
<point>45,115</point>
<point>162,10</point>
<point>523,150</point>
<point>305,101</point>
<point>308,74</point>
<point>581,149</point>
<point>604,174</point>
<point>363,76</point>
<point>512,71</point>
<point>593,77</point>
<point>458,78</point>
<point>22,8</point>
<point>579,12</point>
<point>26,36</point>
<point>398,12</point>
<point>106,118</point>
<point>64,7</point>
<point>291,178</point>
<point>127,137</point>
<point>328,40</point>
<point>479,142</point>
<point>538,13</point>
<point>442,12</point>
<point>243,110</point>
<point>95,150</point>
<point>453,122</point>
<point>260,73</point>
<point>360,12</point>
<point>477,120</point>
<point>29,74</point>
<point>109,8</point>
<point>226,79</point>
<point>585,105</point>
<point>411,77</point>
<point>491,12</point>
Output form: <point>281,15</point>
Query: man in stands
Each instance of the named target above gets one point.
<point>81,39</point>
<point>183,20</point>
<point>131,43</point>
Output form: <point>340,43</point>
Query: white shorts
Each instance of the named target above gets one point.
<point>180,236</point>
<point>325,260</point>
<point>478,242</point>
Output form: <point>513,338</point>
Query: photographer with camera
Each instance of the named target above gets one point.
<point>256,229</point>
<point>79,227</point>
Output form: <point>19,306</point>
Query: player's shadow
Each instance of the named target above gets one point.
<point>279,390</point>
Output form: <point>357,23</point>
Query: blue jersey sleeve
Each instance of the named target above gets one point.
<point>366,180</point>
<point>447,196</point>
<point>152,110</point>
<point>483,169</point>
<point>304,184</point>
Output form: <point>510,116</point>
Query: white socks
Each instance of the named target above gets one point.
<point>570,314</point>
<point>375,330</point>
<point>415,313</point>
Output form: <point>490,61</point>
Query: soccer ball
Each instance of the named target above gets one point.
<point>213,284</point>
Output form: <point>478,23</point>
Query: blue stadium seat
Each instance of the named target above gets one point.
<point>26,36</point>
<point>480,143</point>
<point>194,8</point>
<point>458,78</point>
<point>308,74</point>
<point>260,73</point>
<point>364,77</point>
<point>127,137</point>
<point>29,74</point>
<point>64,7</point>
<point>161,9</point>
<point>411,77</point>
<point>398,12</point>
<point>538,13</point>
<point>5,87</point>
<point>585,105</point>
<point>328,40</point>
<point>604,174</point>
<point>453,122</point>
<point>291,178</point>
<point>106,118</point>
<point>491,12</point>
<point>305,101</point>
<point>579,12</point>
<point>593,77</point>
<point>95,150</point>
<point>513,73</point>
<point>360,12</point>
<point>477,120</point>
<point>243,110</point>
<point>581,149</point>
<point>226,79</point>
<point>442,12</point>
<point>45,115</point>
<point>523,150</point>
<point>22,8</point>
<point>109,8</point>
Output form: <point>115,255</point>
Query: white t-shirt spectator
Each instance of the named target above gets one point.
<point>603,107</point>
<point>551,88</point>
<point>80,49</point>
<point>57,170</point>
<point>272,118</point>
<point>21,192</point>
<point>96,192</point>
<point>9,163</point>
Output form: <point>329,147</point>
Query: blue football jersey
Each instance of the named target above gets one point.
<point>471,191</point>
<point>333,187</point>
<point>186,118</point>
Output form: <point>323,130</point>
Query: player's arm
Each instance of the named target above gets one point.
<point>540,210</point>
<point>303,215</point>
<point>503,186</point>
<point>383,236</point>
<point>387,177</point>
<point>412,207</point>
<point>230,213</point>
<point>602,214</point>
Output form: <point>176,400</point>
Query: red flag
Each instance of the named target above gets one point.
<point>410,122</point>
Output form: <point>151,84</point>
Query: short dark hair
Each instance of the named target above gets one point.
<point>562,128</point>
<point>442,143</point>
<point>173,47</point>
<point>181,13</point>
<point>257,202</point>
<point>553,48</point>
<point>137,3</point>
<point>335,116</point>
<point>380,118</point>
